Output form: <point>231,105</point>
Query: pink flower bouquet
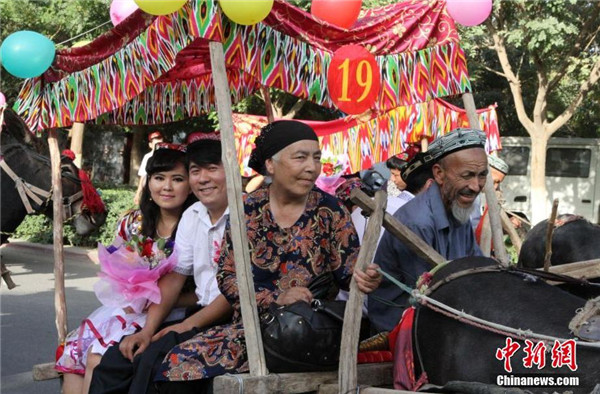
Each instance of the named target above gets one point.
<point>332,169</point>
<point>130,272</point>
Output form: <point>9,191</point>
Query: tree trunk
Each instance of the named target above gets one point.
<point>539,197</point>
<point>136,155</point>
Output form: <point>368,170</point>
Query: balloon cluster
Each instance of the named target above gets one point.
<point>27,54</point>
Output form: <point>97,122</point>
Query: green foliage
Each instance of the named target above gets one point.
<point>35,228</point>
<point>544,40</point>
<point>38,228</point>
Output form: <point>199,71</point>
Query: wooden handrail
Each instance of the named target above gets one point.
<point>400,231</point>
<point>347,377</point>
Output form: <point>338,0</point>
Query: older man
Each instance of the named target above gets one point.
<point>440,216</point>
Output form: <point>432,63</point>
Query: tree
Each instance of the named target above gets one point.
<point>549,53</point>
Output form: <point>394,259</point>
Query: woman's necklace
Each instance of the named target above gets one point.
<point>160,235</point>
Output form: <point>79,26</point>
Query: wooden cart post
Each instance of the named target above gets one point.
<point>490,195</point>
<point>60,305</point>
<point>77,142</point>
<point>254,346</point>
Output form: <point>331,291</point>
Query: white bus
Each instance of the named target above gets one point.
<point>572,176</point>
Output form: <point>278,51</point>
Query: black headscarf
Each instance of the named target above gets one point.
<point>276,136</point>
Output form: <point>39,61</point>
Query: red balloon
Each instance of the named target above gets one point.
<point>342,13</point>
<point>353,79</point>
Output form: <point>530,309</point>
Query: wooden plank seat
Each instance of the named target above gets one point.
<point>378,374</point>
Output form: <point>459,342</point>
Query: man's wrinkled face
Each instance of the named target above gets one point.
<point>461,177</point>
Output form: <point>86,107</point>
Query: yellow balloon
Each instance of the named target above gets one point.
<point>160,7</point>
<point>246,12</point>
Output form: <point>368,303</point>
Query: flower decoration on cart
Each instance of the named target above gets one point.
<point>130,271</point>
<point>332,169</point>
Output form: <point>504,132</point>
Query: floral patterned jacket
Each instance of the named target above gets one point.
<point>323,239</point>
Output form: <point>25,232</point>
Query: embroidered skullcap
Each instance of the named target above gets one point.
<point>204,148</point>
<point>276,136</point>
<point>168,145</point>
<point>155,134</point>
<point>452,142</point>
<point>415,167</point>
<point>401,160</point>
<point>498,163</point>
<point>397,162</point>
<point>200,135</point>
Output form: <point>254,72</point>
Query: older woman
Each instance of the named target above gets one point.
<point>296,232</point>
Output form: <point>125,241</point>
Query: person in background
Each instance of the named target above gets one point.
<point>396,184</point>
<point>154,138</point>
<point>164,198</point>
<point>396,198</point>
<point>417,176</point>
<point>440,216</point>
<point>499,170</point>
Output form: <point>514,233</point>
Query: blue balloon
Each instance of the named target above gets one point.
<point>27,54</point>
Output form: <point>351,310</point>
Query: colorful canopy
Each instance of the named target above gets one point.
<point>369,141</point>
<point>150,70</point>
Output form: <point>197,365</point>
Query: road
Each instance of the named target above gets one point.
<point>28,333</point>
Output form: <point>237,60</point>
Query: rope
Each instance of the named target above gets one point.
<point>464,317</point>
<point>84,33</point>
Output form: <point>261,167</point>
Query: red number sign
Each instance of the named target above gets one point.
<point>353,79</point>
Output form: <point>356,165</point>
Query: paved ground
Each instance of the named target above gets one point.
<point>28,333</point>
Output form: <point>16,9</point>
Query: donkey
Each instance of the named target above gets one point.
<point>451,347</point>
<point>26,183</point>
<point>574,239</point>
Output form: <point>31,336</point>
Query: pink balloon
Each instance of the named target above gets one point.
<point>469,12</point>
<point>2,99</point>
<point>121,9</point>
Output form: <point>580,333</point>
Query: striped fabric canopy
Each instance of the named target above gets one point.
<point>150,70</point>
<point>365,142</point>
